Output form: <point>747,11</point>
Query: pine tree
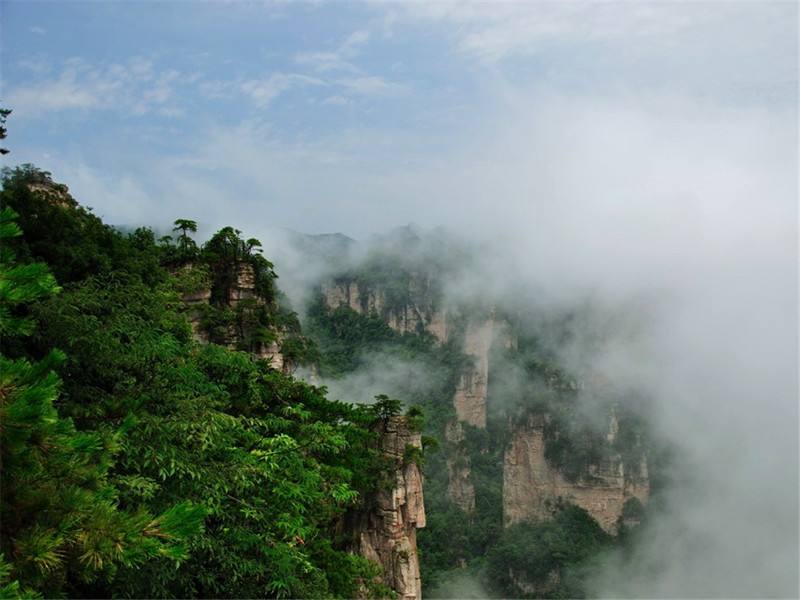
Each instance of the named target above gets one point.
<point>60,524</point>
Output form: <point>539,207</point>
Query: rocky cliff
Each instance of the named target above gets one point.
<point>387,532</point>
<point>416,312</point>
<point>533,489</point>
<point>240,294</point>
<point>469,401</point>
<point>473,463</point>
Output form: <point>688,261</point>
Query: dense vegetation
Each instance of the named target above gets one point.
<point>536,560</point>
<point>138,463</point>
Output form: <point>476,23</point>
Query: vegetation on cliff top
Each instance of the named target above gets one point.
<point>137,463</point>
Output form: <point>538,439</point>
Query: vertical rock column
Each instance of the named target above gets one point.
<point>387,534</point>
<point>469,402</point>
<point>470,397</point>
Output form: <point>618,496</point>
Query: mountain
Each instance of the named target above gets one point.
<point>155,442</point>
<point>516,445</point>
<point>407,428</point>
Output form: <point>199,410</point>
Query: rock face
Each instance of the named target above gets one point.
<point>460,488</point>
<point>193,302</point>
<point>532,488</point>
<point>469,399</point>
<point>242,290</point>
<point>244,285</point>
<point>56,194</point>
<point>416,314</point>
<point>387,534</point>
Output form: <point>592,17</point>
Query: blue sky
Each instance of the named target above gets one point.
<point>355,117</point>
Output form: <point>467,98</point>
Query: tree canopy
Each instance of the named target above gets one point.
<point>138,463</point>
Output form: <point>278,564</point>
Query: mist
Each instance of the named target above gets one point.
<point>684,220</point>
<point>378,373</point>
<point>671,227</point>
<point>690,217</point>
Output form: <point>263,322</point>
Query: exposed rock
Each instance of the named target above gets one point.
<point>387,534</point>
<point>532,488</point>
<point>469,399</point>
<point>417,314</point>
<point>56,194</point>
<point>437,324</point>
<point>272,353</point>
<point>460,488</point>
<point>338,293</point>
<point>244,286</point>
<point>242,289</point>
<point>193,301</point>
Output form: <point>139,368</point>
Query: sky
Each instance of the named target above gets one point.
<point>360,116</point>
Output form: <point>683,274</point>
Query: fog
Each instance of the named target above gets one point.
<point>378,373</point>
<point>676,223</point>
<point>689,216</point>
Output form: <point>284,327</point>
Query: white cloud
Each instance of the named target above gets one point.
<point>325,61</point>
<point>134,87</point>
<point>264,91</point>
<point>62,93</point>
<point>712,46</point>
<point>37,30</point>
<point>336,101</point>
<point>357,82</point>
<point>354,41</point>
<point>338,59</point>
<point>370,85</point>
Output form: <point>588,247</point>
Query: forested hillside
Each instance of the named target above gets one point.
<point>157,444</point>
<point>540,470</point>
<point>137,462</point>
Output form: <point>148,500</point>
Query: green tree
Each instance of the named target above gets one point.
<point>20,284</point>
<point>385,408</point>
<point>60,524</point>
<point>187,248</point>
<point>73,242</point>
<point>546,559</point>
<point>274,464</point>
<point>4,112</point>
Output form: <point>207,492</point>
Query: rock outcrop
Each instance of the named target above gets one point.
<point>194,301</point>
<point>469,399</point>
<point>387,533</point>
<point>56,194</point>
<point>416,314</point>
<point>241,290</point>
<point>532,488</point>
